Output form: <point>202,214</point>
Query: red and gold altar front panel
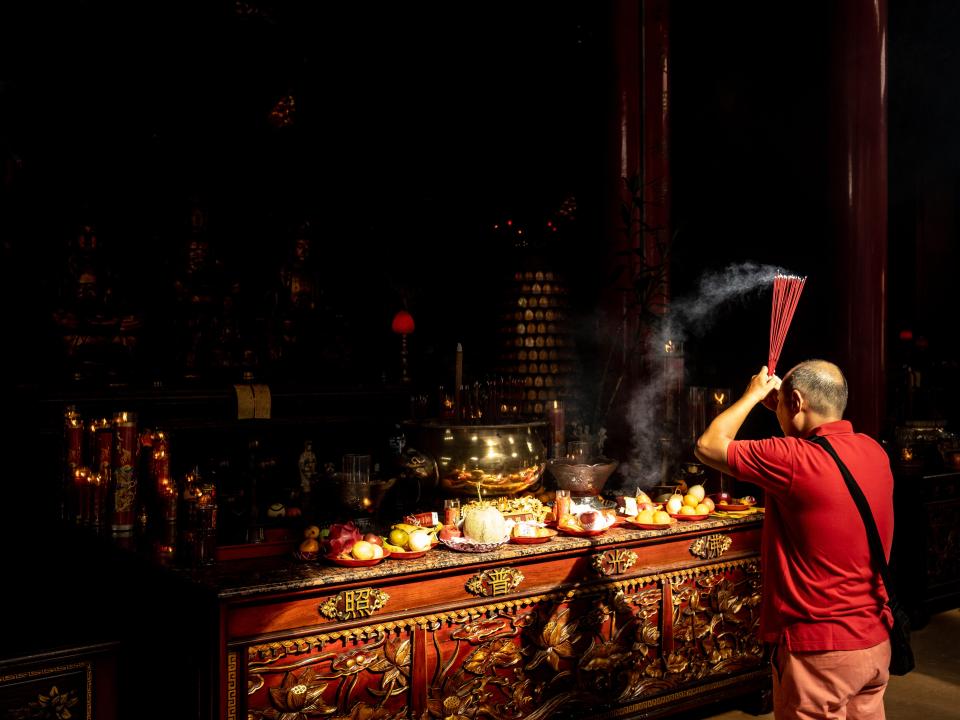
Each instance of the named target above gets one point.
<point>614,648</point>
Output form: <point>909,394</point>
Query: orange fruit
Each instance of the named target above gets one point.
<point>310,545</point>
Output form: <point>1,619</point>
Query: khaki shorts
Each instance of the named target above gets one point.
<point>835,684</point>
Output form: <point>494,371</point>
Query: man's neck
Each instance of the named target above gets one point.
<point>812,420</point>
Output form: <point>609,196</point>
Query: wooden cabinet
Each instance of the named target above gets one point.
<point>926,553</point>
<point>629,624</point>
<point>76,682</point>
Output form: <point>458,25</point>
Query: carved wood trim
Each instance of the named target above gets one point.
<point>629,711</point>
<point>666,620</point>
<point>86,666</point>
<point>305,643</point>
<point>231,686</point>
<point>418,680</point>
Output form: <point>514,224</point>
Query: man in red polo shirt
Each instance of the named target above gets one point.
<point>824,605</point>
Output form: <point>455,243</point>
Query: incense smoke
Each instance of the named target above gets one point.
<point>716,288</point>
<point>653,453</point>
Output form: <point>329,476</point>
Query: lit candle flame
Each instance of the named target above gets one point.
<point>668,347</point>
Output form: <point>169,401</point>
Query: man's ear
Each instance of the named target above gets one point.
<point>795,402</point>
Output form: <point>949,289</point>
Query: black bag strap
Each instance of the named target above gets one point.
<point>873,536</point>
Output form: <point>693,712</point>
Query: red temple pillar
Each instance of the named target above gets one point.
<point>638,192</point>
<point>858,165</point>
<point>656,147</point>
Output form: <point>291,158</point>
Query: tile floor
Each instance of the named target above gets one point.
<point>931,692</point>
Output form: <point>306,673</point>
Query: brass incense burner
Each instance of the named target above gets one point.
<point>501,459</point>
<point>582,477</point>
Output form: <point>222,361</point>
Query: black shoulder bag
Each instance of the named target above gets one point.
<point>901,654</point>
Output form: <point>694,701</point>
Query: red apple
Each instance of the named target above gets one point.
<point>592,520</point>
<point>374,539</point>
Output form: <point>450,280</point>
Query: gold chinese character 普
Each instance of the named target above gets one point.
<point>496,581</point>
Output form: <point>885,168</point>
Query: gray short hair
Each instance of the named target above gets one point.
<point>822,385</point>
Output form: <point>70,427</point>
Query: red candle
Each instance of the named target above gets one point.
<point>124,479</point>
<point>557,428</point>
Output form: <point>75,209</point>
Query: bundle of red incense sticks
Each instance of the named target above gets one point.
<point>786,294</point>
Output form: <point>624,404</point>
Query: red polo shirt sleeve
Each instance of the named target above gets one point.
<point>767,463</point>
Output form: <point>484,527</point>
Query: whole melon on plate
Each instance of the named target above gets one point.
<point>484,524</point>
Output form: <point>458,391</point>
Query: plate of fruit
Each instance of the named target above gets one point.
<point>362,554</point>
<point>724,501</point>
<point>464,544</point>
<point>345,545</point>
<point>650,520</point>
<point>528,533</point>
<point>588,523</point>
<point>309,548</point>
<point>482,529</point>
<point>694,505</point>
<point>406,541</point>
<point>690,517</point>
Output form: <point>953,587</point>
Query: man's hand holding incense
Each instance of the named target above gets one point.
<point>764,388</point>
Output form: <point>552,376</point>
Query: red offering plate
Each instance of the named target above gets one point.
<point>352,562</point>
<point>410,554</point>
<point>689,517</point>
<point>648,526</point>
<point>732,507</point>
<point>580,533</point>
<point>527,540</point>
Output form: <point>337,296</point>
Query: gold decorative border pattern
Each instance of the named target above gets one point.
<point>86,665</point>
<point>305,643</point>
<point>231,686</point>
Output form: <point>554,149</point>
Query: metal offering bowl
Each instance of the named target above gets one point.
<point>582,478</point>
<point>500,459</point>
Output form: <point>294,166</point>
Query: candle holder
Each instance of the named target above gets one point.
<point>719,400</point>
<point>673,381</point>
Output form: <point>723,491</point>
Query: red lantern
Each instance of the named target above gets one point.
<point>402,323</point>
